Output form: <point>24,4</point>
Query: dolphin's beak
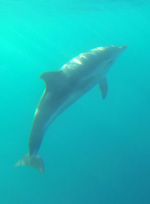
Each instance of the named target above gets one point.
<point>123,47</point>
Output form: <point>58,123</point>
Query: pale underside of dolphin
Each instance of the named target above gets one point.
<point>63,88</point>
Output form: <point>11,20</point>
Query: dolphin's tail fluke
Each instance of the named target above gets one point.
<point>34,161</point>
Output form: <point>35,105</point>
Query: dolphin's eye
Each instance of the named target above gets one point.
<point>110,62</point>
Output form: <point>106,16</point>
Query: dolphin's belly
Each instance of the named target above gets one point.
<point>80,89</point>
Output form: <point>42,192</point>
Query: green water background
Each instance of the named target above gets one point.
<point>97,151</point>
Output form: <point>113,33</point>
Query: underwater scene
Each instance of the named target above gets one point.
<point>88,141</point>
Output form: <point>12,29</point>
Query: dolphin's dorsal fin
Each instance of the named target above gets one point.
<point>103,87</point>
<point>54,80</point>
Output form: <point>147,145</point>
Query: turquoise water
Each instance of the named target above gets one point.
<point>97,151</point>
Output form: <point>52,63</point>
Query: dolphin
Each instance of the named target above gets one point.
<point>63,88</point>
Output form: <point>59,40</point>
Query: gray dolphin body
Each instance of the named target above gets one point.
<point>64,87</point>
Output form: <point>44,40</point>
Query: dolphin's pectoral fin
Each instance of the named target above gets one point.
<point>103,87</point>
<point>34,161</point>
<point>54,80</point>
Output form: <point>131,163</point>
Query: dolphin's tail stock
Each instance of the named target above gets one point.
<point>34,161</point>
